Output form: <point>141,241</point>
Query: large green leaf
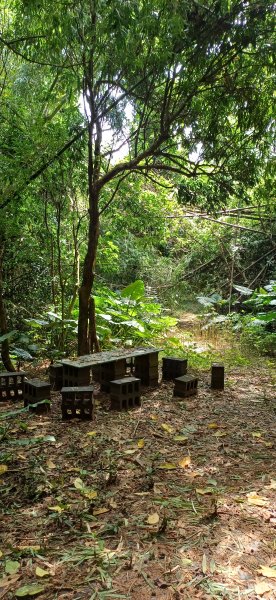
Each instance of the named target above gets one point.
<point>134,291</point>
<point>8,336</point>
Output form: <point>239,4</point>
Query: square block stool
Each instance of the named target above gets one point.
<point>75,375</point>
<point>185,386</point>
<point>125,393</point>
<point>77,402</point>
<point>146,368</point>
<point>174,367</point>
<point>56,376</point>
<point>110,371</point>
<point>11,385</point>
<point>35,391</point>
<point>217,376</point>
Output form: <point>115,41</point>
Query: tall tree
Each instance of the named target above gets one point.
<point>184,85</point>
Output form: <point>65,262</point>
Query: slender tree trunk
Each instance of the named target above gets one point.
<point>5,350</point>
<point>84,339</point>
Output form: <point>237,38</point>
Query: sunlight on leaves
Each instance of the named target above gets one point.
<point>3,469</point>
<point>92,433</point>
<point>50,464</point>
<point>168,466</point>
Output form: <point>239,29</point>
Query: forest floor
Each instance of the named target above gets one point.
<point>173,500</point>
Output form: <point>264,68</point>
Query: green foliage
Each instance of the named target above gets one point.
<point>128,317</point>
<point>256,323</point>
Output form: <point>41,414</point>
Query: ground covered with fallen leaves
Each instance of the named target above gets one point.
<point>173,500</point>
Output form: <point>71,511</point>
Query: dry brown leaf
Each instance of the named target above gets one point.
<point>256,500</point>
<point>203,491</point>
<point>185,462</point>
<point>90,494</point>
<point>153,519</point>
<point>57,509</point>
<point>262,588</point>
<point>41,573</point>
<point>167,428</point>
<point>50,464</point>
<point>219,433</point>
<point>141,443</point>
<point>100,511</point>
<point>180,438</point>
<point>272,485</point>
<point>267,571</point>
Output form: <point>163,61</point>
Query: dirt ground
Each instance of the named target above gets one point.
<point>173,500</point>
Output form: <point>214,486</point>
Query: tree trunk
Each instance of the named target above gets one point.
<point>84,326</point>
<point>5,350</point>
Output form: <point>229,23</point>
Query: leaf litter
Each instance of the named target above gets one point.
<point>105,513</point>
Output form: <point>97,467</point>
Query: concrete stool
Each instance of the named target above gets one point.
<point>174,367</point>
<point>185,386</point>
<point>77,402</point>
<point>125,393</point>
<point>35,391</point>
<point>56,376</point>
<point>11,385</point>
<point>217,376</point>
<point>115,369</point>
<point>146,368</point>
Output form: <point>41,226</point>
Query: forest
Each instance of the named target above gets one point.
<point>138,248</point>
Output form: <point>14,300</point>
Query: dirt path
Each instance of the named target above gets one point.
<point>175,500</point>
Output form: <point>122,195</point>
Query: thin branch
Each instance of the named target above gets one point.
<point>43,167</point>
<point>114,193</point>
<point>197,216</point>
